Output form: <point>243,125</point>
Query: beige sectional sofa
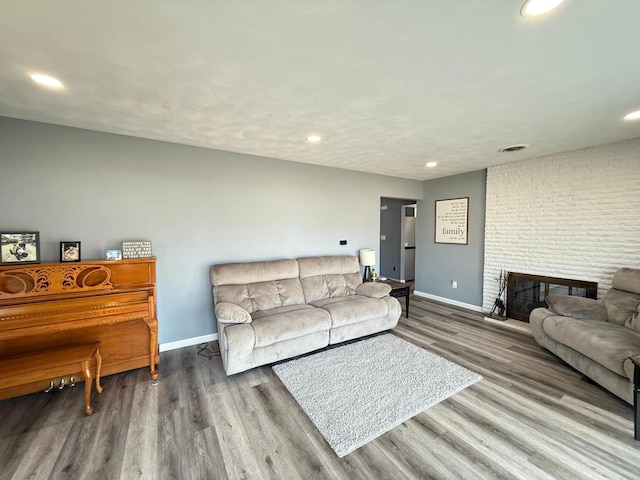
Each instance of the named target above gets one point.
<point>269,311</point>
<point>599,338</point>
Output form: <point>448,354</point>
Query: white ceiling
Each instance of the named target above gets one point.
<point>389,84</point>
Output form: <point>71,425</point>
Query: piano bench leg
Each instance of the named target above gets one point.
<point>88,379</point>
<point>98,370</point>
<point>88,382</point>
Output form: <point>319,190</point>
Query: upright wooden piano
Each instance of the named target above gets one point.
<point>48,307</point>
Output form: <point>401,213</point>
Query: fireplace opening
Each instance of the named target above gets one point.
<point>527,292</point>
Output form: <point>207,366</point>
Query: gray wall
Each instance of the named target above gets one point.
<point>438,264</point>
<point>197,206</point>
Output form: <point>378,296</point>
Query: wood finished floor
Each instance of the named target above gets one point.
<point>531,417</point>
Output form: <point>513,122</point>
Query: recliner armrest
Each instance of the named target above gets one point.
<point>231,313</point>
<point>373,289</point>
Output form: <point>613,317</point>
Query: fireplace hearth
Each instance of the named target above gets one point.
<point>527,292</point>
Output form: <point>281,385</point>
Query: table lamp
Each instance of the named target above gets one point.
<point>367,260</point>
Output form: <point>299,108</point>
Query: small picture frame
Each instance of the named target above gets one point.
<point>69,251</point>
<point>19,247</point>
<point>113,255</point>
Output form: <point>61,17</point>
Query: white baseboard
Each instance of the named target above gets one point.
<point>187,342</point>
<point>468,306</point>
<point>513,324</point>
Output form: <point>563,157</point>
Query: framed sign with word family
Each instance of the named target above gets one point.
<point>452,221</point>
<point>136,249</point>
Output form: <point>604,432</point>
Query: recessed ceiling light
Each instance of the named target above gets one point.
<point>46,80</point>
<point>314,138</point>
<point>633,115</point>
<point>533,8</point>
<point>431,164</point>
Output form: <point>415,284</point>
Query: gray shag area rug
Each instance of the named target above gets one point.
<point>358,391</point>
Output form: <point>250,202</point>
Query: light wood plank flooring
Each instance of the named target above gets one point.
<point>531,417</point>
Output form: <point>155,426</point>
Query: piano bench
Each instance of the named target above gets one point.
<point>54,363</point>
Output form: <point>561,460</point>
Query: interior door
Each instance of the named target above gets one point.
<point>409,245</point>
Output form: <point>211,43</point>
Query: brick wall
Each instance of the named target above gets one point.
<point>572,215</point>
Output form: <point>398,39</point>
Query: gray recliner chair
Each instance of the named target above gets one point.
<point>599,338</point>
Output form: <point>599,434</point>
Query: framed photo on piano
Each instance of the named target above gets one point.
<point>19,247</point>
<point>113,255</point>
<point>69,251</point>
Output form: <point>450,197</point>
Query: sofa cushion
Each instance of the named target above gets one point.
<point>231,313</point>
<point>252,272</point>
<point>336,264</point>
<point>278,310</point>
<point>262,296</point>
<point>326,286</point>
<point>352,309</point>
<point>286,323</point>
<point>633,322</point>
<point>257,285</point>
<point>577,307</point>
<point>621,306</point>
<point>328,277</point>
<point>606,343</point>
<point>373,289</point>
<point>627,280</point>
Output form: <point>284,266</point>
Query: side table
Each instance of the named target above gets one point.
<point>636,398</point>
<point>399,289</point>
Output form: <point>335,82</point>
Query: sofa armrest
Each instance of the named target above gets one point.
<point>577,307</point>
<point>373,289</point>
<point>231,313</point>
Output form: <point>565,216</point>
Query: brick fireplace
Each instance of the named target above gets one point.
<point>568,215</point>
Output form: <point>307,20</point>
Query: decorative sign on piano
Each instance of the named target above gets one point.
<point>136,249</point>
<point>18,247</point>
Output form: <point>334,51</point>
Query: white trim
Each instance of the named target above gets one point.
<point>468,306</point>
<point>187,342</point>
<point>512,324</point>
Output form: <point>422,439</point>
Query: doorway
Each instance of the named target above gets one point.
<point>397,238</point>
<point>408,251</point>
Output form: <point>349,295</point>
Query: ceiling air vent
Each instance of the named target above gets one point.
<point>513,148</point>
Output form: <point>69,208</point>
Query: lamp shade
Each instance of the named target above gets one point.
<point>367,257</point>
